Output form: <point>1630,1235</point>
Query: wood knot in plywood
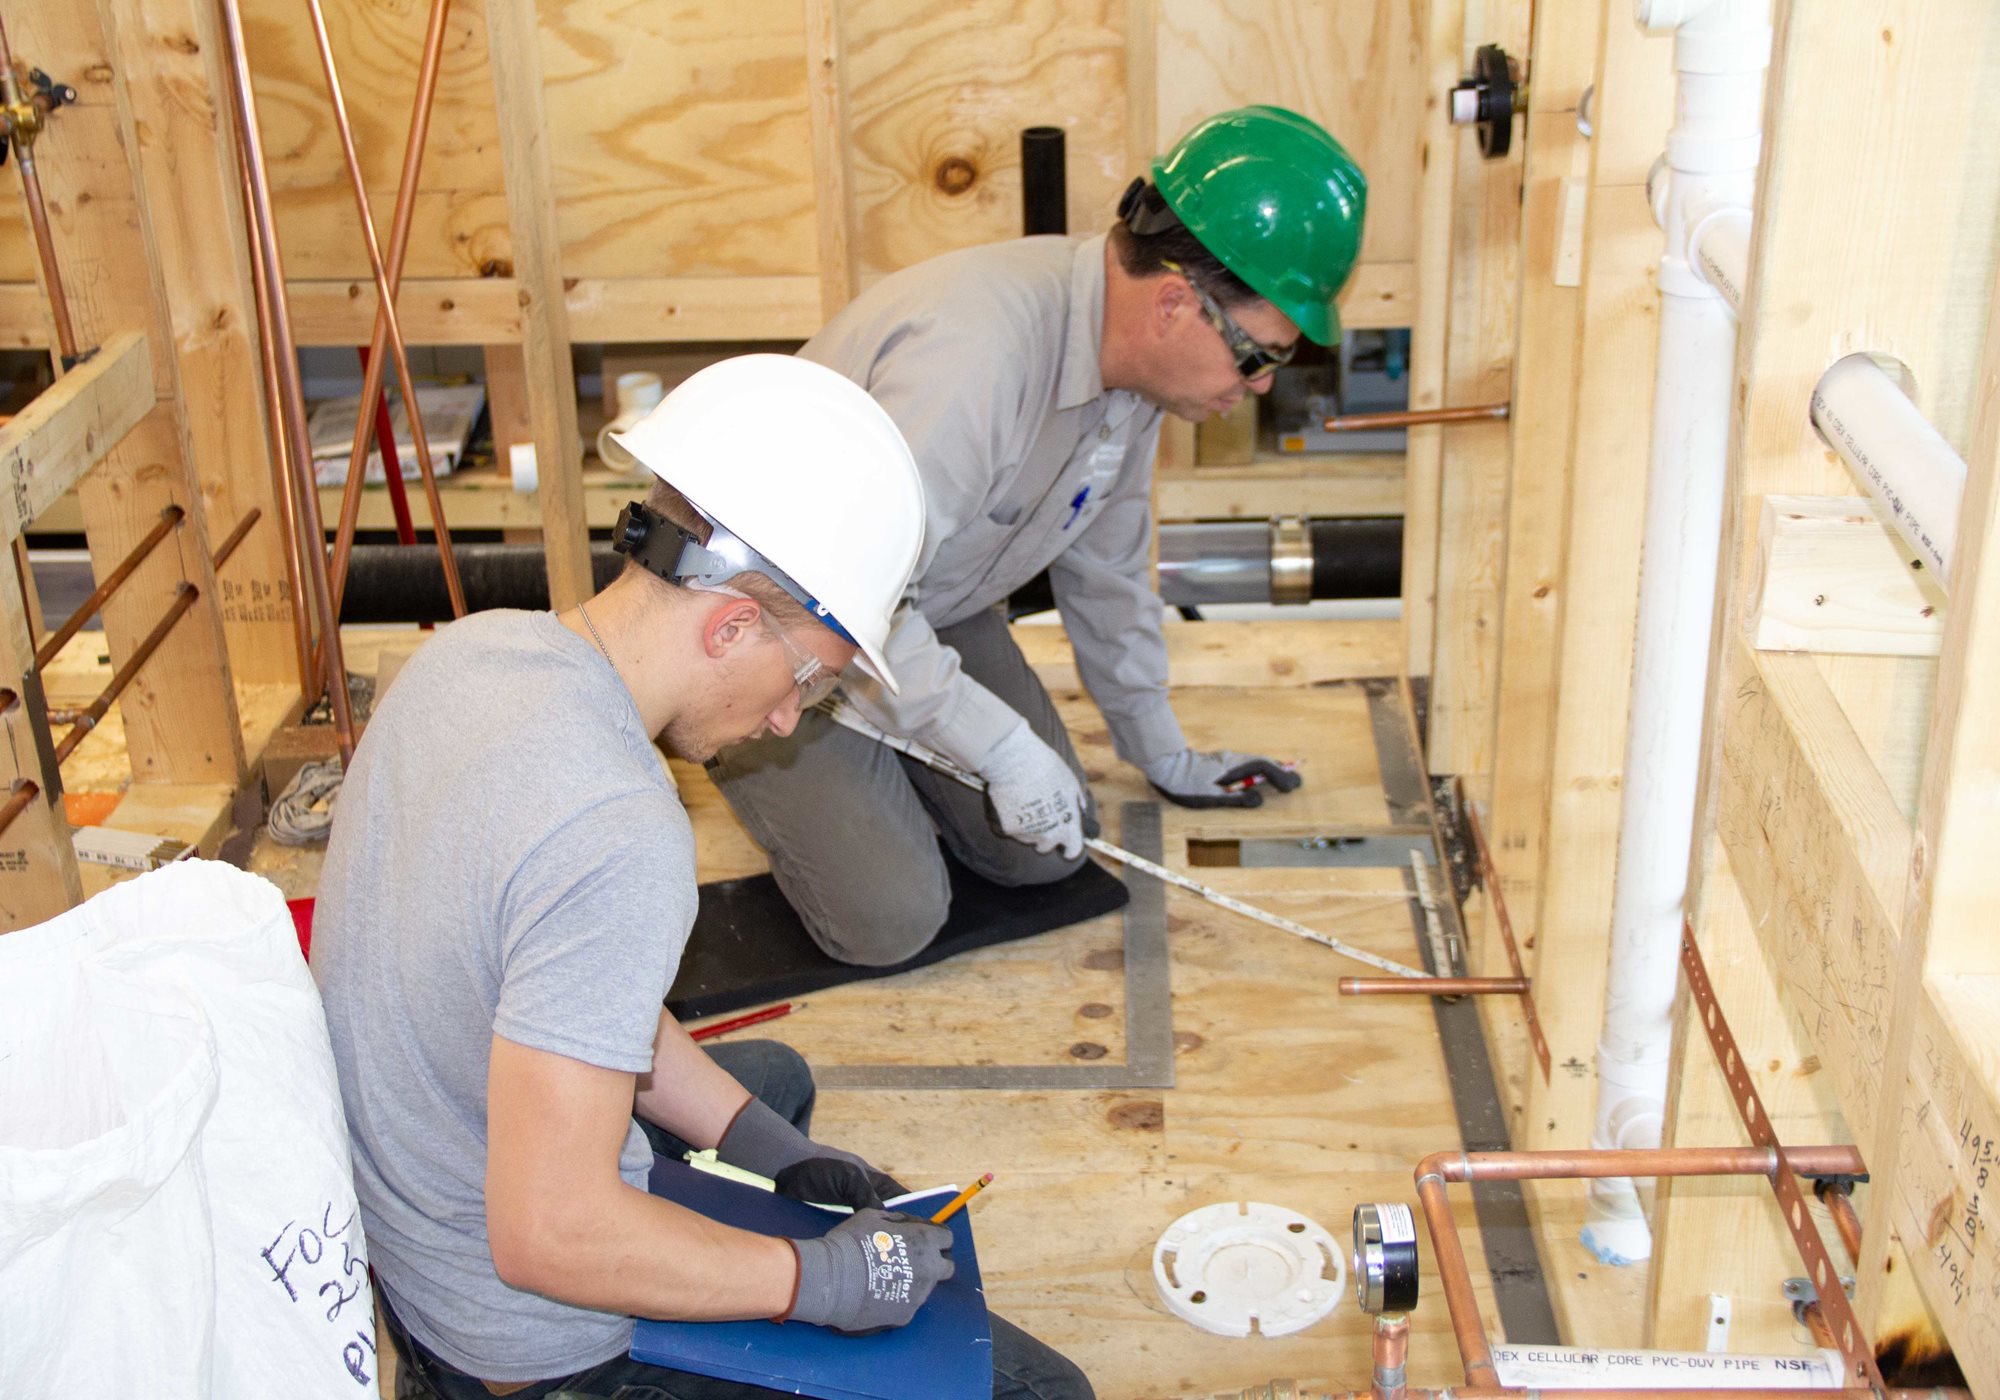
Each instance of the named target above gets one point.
<point>1087,1050</point>
<point>1105,960</point>
<point>1187,1042</point>
<point>955,175</point>
<point>1139,1116</point>
<point>496,267</point>
<point>1093,1010</point>
<point>182,43</point>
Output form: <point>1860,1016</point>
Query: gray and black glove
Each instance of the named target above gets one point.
<point>761,1141</point>
<point>1034,795</point>
<point>1223,778</point>
<point>870,1272</point>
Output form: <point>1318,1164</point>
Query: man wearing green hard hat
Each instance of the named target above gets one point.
<point>1030,379</point>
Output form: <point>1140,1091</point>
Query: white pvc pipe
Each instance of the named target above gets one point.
<point>1616,1368</point>
<point>1720,51</point>
<point>1914,476</point>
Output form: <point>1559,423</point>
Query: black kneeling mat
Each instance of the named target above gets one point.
<point>749,946</point>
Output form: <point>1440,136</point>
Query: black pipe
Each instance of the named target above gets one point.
<point>395,583</point>
<point>1044,183</point>
<point>1358,558</point>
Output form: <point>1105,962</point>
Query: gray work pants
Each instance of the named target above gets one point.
<point>852,827</point>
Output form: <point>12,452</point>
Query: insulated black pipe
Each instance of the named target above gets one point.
<point>1360,558</point>
<point>394,583</point>
<point>1044,183</point>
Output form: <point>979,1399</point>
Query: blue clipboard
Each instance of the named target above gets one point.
<point>945,1353</point>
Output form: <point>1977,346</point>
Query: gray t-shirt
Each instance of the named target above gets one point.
<point>508,855</point>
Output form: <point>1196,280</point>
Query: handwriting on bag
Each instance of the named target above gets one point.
<point>301,1254</point>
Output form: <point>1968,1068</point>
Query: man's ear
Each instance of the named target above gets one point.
<point>729,624</point>
<point>1170,297</point>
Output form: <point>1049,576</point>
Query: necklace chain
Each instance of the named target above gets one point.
<point>594,637</point>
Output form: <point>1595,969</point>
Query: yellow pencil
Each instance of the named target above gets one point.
<point>957,1203</point>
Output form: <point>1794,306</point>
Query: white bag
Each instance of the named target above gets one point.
<point>177,1212</point>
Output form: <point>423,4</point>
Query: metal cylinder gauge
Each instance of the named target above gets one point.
<point>1385,1258</point>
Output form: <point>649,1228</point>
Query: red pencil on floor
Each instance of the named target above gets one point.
<point>752,1018</point>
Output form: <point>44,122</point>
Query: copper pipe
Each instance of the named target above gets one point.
<point>234,538</point>
<point>1839,1198</point>
<point>1456,1277</point>
<point>1436,1170</point>
<point>386,319</point>
<point>1432,986</point>
<point>38,211</point>
<point>1661,1161</point>
<point>1392,1352</point>
<point>371,363</point>
<point>1815,1320</point>
<point>184,599</point>
<point>285,356</point>
<point>276,438</point>
<point>27,792</point>
<point>170,517</point>
<point>1416,417</point>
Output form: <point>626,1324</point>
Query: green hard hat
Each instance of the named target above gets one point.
<point>1278,201</point>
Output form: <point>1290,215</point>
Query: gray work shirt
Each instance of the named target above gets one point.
<point>508,857</point>
<point>987,359</point>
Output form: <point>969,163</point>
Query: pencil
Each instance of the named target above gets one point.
<point>737,1023</point>
<point>957,1203</point>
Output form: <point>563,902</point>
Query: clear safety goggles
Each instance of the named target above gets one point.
<point>1254,359</point>
<point>813,677</point>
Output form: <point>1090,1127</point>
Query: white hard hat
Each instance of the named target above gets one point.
<point>799,463</point>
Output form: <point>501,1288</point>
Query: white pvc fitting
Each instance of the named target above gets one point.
<point>1914,477</point>
<point>1718,243</point>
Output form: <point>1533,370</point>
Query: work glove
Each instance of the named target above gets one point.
<point>837,1179</point>
<point>1034,795</point>
<point>870,1272</point>
<point>1195,779</point>
<point>761,1141</point>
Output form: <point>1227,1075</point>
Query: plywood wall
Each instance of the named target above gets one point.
<point>681,136</point>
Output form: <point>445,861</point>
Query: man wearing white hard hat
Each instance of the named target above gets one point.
<point>1031,378</point>
<point>509,885</point>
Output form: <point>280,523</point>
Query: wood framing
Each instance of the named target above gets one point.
<point>1830,576</point>
<point>1863,914</point>
<point>516,62</point>
<point>1556,174</point>
<point>1473,476</point>
<point>48,446</point>
<point>45,450</point>
<point>180,714</point>
<point>170,53</point>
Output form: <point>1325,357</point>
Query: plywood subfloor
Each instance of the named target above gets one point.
<point>1285,1092</point>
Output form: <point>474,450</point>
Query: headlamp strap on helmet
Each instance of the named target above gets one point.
<point>662,547</point>
<point>1145,210</point>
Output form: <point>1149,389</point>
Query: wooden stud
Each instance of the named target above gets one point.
<point>1473,476</point>
<point>1538,484</point>
<point>180,714</point>
<point>1443,44</point>
<point>171,55</point>
<point>545,336</point>
<point>827,94</point>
